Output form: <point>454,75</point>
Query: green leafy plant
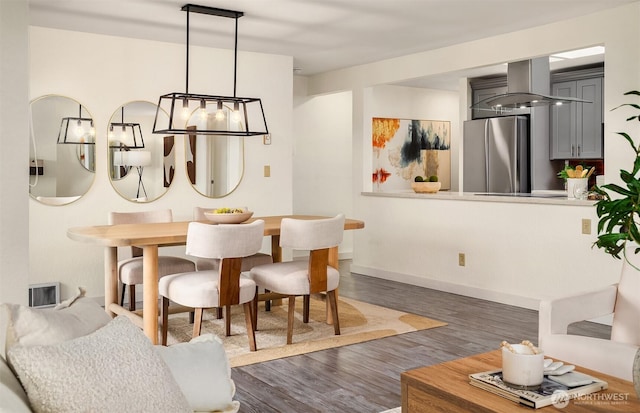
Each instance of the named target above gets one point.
<point>618,215</point>
<point>432,178</point>
<point>579,171</point>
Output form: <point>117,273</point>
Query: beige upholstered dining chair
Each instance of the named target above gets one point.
<point>302,278</point>
<point>130,270</point>
<point>222,287</point>
<point>205,264</point>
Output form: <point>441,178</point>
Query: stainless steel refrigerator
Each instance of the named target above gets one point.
<point>496,155</point>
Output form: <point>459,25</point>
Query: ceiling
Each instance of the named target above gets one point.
<point>321,35</point>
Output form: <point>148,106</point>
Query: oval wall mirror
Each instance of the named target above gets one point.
<point>141,164</point>
<point>214,164</point>
<point>61,151</point>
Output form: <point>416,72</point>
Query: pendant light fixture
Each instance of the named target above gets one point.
<point>77,130</point>
<point>127,134</point>
<point>213,115</point>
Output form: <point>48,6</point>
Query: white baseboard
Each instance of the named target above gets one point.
<point>468,291</point>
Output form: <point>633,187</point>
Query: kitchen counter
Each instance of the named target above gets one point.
<point>537,197</point>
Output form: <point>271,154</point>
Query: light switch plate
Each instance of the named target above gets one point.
<point>267,171</point>
<point>586,226</point>
<point>266,139</point>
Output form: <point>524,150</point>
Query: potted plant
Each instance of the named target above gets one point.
<point>617,216</point>
<point>428,185</point>
<point>576,179</point>
<point>618,235</point>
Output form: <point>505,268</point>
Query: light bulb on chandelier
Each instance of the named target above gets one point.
<point>235,116</point>
<point>220,111</point>
<point>185,108</point>
<point>203,110</point>
<point>79,129</point>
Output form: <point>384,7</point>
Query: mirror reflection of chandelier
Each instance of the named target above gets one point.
<point>77,130</point>
<point>125,134</point>
<point>246,117</point>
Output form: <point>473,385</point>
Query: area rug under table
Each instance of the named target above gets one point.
<point>359,322</point>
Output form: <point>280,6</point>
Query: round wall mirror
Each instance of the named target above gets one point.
<point>61,151</point>
<point>141,164</point>
<point>214,164</point>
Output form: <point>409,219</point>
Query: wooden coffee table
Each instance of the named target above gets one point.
<point>445,388</point>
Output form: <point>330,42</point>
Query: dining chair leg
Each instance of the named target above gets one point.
<point>333,302</point>
<point>227,320</point>
<point>132,297</point>
<point>254,313</point>
<point>218,313</point>
<point>306,300</point>
<point>197,323</point>
<point>165,319</point>
<point>292,310</point>
<point>248,317</point>
<point>124,287</point>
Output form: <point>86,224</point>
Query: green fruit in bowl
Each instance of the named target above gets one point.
<point>433,178</point>
<point>228,211</point>
<point>419,179</point>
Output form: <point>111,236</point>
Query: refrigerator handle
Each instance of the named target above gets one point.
<point>486,151</point>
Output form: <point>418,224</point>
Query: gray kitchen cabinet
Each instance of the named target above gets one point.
<point>481,94</point>
<point>576,128</point>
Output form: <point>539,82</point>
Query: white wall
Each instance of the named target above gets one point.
<point>111,71</point>
<point>516,253</point>
<point>322,169</point>
<point>14,152</point>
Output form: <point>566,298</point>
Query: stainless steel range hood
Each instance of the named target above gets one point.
<point>528,83</point>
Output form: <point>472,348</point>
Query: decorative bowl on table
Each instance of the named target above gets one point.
<point>228,215</point>
<point>426,187</point>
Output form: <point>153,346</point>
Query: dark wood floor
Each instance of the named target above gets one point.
<point>365,378</point>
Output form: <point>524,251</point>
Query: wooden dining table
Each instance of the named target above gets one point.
<point>149,237</point>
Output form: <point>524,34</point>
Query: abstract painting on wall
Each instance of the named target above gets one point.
<point>404,149</point>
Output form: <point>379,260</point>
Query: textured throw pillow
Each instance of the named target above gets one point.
<point>114,369</point>
<point>202,371</point>
<point>75,317</point>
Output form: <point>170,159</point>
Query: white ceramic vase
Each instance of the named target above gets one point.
<point>576,187</point>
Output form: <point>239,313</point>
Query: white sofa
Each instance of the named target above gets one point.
<point>76,358</point>
<point>614,356</point>
<point>12,396</point>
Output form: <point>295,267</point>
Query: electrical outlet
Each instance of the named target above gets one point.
<point>267,171</point>
<point>586,226</point>
<point>461,259</point>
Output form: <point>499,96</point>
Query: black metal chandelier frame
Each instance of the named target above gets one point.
<point>177,101</point>
<point>135,129</point>
<point>63,134</point>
